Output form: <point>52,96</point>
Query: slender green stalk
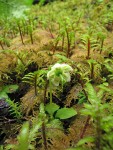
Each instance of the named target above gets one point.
<point>68,43</point>
<point>56,43</point>
<point>92,71</point>
<point>20,59</point>
<point>101,48</point>
<point>31,37</point>
<point>45,90</point>
<point>35,84</point>
<point>88,49</point>
<point>50,93</point>
<point>63,42</point>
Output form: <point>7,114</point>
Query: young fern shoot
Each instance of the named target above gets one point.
<point>35,79</point>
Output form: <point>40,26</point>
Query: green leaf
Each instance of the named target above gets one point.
<point>105,88</point>
<point>3,94</point>
<point>51,108</point>
<point>14,108</point>
<point>92,96</point>
<point>55,123</point>
<point>23,137</point>
<point>85,140</point>
<point>82,98</point>
<point>65,113</point>
<point>1,147</point>
<point>10,88</point>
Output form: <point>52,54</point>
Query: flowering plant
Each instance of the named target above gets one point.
<point>59,73</point>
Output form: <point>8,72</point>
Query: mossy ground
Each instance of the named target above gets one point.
<point>42,53</point>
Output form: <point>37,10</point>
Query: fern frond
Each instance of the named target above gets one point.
<point>29,78</point>
<point>30,75</point>
<point>35,129</point>
<point>34,77</point>
<point>23,138</point>
<point>109,65</point>
<point>14,109</point>
<point>92,96</point>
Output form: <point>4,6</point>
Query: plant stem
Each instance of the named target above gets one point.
<point>24,27</point>
<point>82,85</point>
<point>27,30</point>
<point>88,49</point>
<point>85,127</point>
<point>36,85</point>
<point>50,93</point>
<point>45,90</point>
<point>88,118</point>
<point>98,131</point>
<point>92,71</point>
<point>68,43</point>
<point>20,59</point>
<point>50,33</point>
<point>31,37</point>
<point>101,48</point>
<point>44,136</point>
<point>55,46</point>
<point>63,42</point>
<point>20,34</point>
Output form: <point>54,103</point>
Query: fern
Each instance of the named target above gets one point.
<point>62,58</point>
<point>14,109</point>
<point>108,63</point>
<point>81,97</point>
<point>88,43</point>
<point>95,69</point>
<point>35,79</point>
<point>92,96</point>
<point>25,138</point>
<point>101,116</point>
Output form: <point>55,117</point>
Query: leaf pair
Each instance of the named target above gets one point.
<point>62,113</point>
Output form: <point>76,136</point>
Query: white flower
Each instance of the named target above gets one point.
<point>59,73</point>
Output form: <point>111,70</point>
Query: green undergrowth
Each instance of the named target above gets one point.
<point>56,75</point>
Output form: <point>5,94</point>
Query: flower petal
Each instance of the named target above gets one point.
<point>67,77</point>
<point>59,73</point>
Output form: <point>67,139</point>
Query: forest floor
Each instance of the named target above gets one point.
<point>45,52</point>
